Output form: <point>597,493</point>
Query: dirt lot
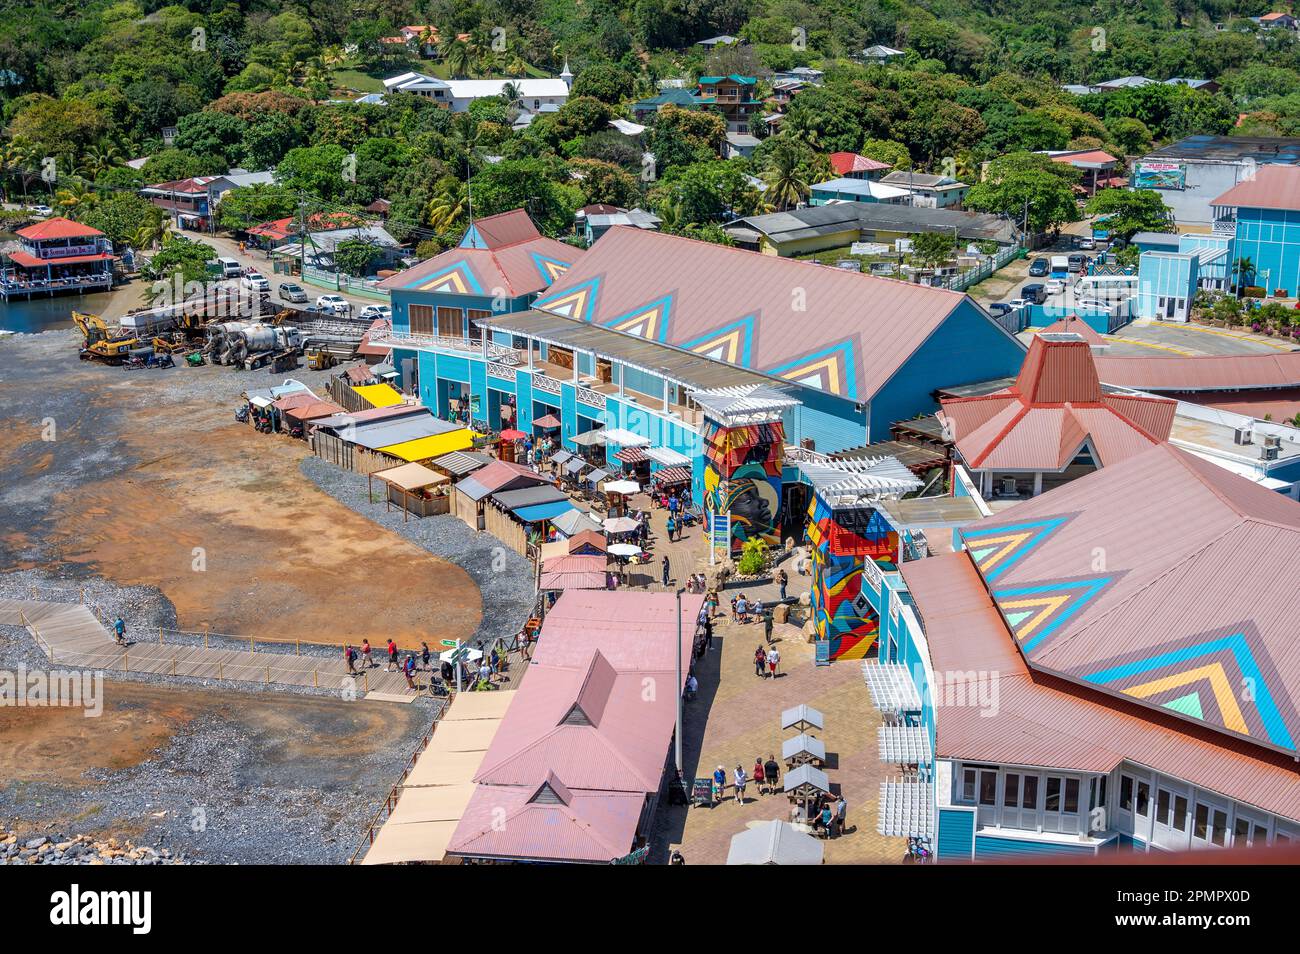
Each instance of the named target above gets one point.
<point>150,481</point>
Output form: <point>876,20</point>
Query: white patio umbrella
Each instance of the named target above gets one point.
<point>621,524</point>
<point>624,549</point>
<point>622,487</point>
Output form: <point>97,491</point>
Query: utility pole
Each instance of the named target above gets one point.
<point>677,736</point>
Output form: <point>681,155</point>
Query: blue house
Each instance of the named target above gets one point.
<point>643,321</point>
<point>1264,216</point>
<point>500,266</point>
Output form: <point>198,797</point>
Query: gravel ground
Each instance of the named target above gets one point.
<point>504,577</point>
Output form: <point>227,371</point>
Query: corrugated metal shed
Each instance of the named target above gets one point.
<point>529,496</point>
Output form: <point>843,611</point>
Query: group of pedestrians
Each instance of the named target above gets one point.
<point>766,776</point>
<point>766,660</point>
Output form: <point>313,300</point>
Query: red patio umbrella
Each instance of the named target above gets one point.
<point>512,435</point>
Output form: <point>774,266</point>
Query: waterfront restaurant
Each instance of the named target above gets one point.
<point>56,256</point>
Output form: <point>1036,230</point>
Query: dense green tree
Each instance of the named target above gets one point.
<point>120,216</point>
<point>1027,186</point>
<point>316,170</point>
<point>241,209</point>
<point>1131,211</point>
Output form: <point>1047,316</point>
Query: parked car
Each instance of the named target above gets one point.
<point>44,210</point>
<point>335,303</point>
<point>1038,267</point>
<point>291,291</point>
<point>999,308</point>
<point>255,281</point>
<point>1087,242</point>
<point>377,311</point>
<point>1095,304</point>
<point>1077,262</point>
<point>1035,293</point>
<point>1055,286</point>
<point>1018,303</point>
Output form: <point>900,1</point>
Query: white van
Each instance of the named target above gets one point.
<point>1060,266</point>
<point>230,268</point>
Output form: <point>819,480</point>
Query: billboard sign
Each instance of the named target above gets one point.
<point>1160,175</point>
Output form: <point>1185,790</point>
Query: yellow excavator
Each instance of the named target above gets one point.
<point>100,343</point>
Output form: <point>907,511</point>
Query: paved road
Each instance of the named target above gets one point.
<point>260,260</point>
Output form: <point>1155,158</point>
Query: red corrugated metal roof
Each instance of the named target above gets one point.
<point>513,268</point>
<point>1203,373</point>
<point>1041,421</point>
<point>1274,187</point>
<point>845,332</point>
<point>1040,720</point>
<point>57,228</point>
<point>1154,558</point>
<point>31,261</point>
<point>506,228</point>
<point>588,827</point>
<point>501,474</point>
<point>1074,325</point>
<point>845,162</point>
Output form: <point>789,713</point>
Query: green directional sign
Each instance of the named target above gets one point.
<point>449,643</point>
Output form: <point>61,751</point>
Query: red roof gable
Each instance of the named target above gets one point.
<point>1040,422</point>
<point>57,228</point>
<point>845,162</point>
<point>1274,187</point>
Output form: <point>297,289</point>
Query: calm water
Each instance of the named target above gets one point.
<point>42,313</point>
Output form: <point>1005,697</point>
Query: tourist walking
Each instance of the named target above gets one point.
<point>692,687</point>
<point>350,655</point>
<point>772,774</point>
<point>392,657</point>
<point>424,655</point>
<point>708,633</point>
<point>781,581</point>
<point>740,785</point>
<point>773,659</point>
<point>758,776</point>
<point>408,670</point>
<point>719,783</point>
<point>667,572</point>
<point>119,631</point>
<point>841,811</point>
<point>767,627</point>
<point>366,658</point>
<point>672,527</point>
<point>760,661</point>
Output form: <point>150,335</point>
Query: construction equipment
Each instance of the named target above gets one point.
<point>101,344</point>
<point>318,359</point>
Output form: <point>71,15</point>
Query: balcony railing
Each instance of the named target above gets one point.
<point>400,339</point>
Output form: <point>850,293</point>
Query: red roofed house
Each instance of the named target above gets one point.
<point>575,769</point>
<point>1053,425</point>
<point>1098,167</point>
<point>850,165</point>
<point>57,255</point>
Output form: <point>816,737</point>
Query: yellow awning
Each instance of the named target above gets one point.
<point>380,395</point>
<point>425,448</point>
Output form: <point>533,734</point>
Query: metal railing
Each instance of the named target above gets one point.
<point>402,339</point>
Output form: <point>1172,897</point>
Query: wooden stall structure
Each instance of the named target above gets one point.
<point>415,488</point>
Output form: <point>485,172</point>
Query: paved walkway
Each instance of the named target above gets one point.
<point>736,717</point>
<point>71,635</point>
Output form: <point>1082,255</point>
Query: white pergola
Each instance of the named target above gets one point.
<point>744,404</point>
<point>855,481</point>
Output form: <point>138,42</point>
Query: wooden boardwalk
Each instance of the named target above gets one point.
<point>71,635</point>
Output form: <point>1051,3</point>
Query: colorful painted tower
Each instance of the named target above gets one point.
<point>850,548</point>
<point>742,478</point>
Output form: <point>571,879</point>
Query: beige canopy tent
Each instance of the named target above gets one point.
<point>441,782</point>
<point>409,479</point>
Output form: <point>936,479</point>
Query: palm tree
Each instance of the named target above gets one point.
<point>19,162</point>
<point>446,210</point>
<point>1244,270</point>
<point>99,159</point>
<point>76,198</point>
<point>784,176</point>
<point>457,56</point>
<point>480,51</point>
<point>150,232</point>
